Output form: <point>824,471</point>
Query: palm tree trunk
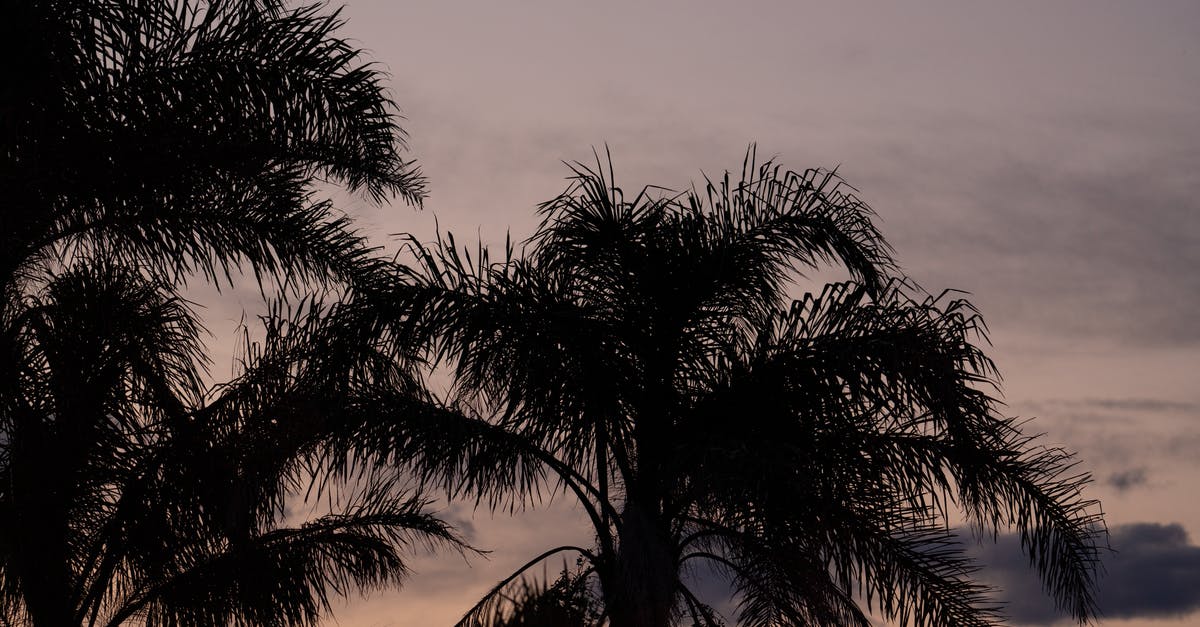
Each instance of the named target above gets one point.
<point>42,562</point>
<point>642,589</point>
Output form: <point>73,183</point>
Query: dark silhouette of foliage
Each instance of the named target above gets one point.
<point>145,142</point>
<point>568,601</point>
<point>645,356</point>
<point>184,136</point>
<point>128,495</point>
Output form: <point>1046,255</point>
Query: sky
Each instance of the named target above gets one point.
<point>1044,157</point>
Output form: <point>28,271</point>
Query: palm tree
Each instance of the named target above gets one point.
<point>128,495</point>
<point>645,355</point>
<point>144,142</point>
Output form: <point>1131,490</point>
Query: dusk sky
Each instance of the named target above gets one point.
<point>1043,156</point>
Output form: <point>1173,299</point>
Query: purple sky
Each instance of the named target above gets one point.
<point>1045,157</point>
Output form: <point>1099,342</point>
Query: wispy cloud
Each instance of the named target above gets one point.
<point>1147,405</point>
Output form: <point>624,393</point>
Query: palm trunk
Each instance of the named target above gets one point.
<point>42,561</point>
<point>642,588</point>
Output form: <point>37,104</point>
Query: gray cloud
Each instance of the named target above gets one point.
<point>1126,479</point>
<point>1155,405</point>
<point>1153,573</point>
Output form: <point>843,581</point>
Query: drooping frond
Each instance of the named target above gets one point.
<point>887,394</point>
<point>287,576</point>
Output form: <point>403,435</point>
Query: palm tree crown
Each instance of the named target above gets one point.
<point>645,353</point>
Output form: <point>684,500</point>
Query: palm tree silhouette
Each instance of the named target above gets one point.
<point>145,142</point>
<point>127,494</point>
<point>645,355</point>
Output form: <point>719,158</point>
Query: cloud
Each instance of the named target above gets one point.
<point>1148,405</point>
<point>1126,479</point>
<point>1154,572</point>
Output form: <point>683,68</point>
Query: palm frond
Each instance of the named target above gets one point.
<point>286,576</point>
